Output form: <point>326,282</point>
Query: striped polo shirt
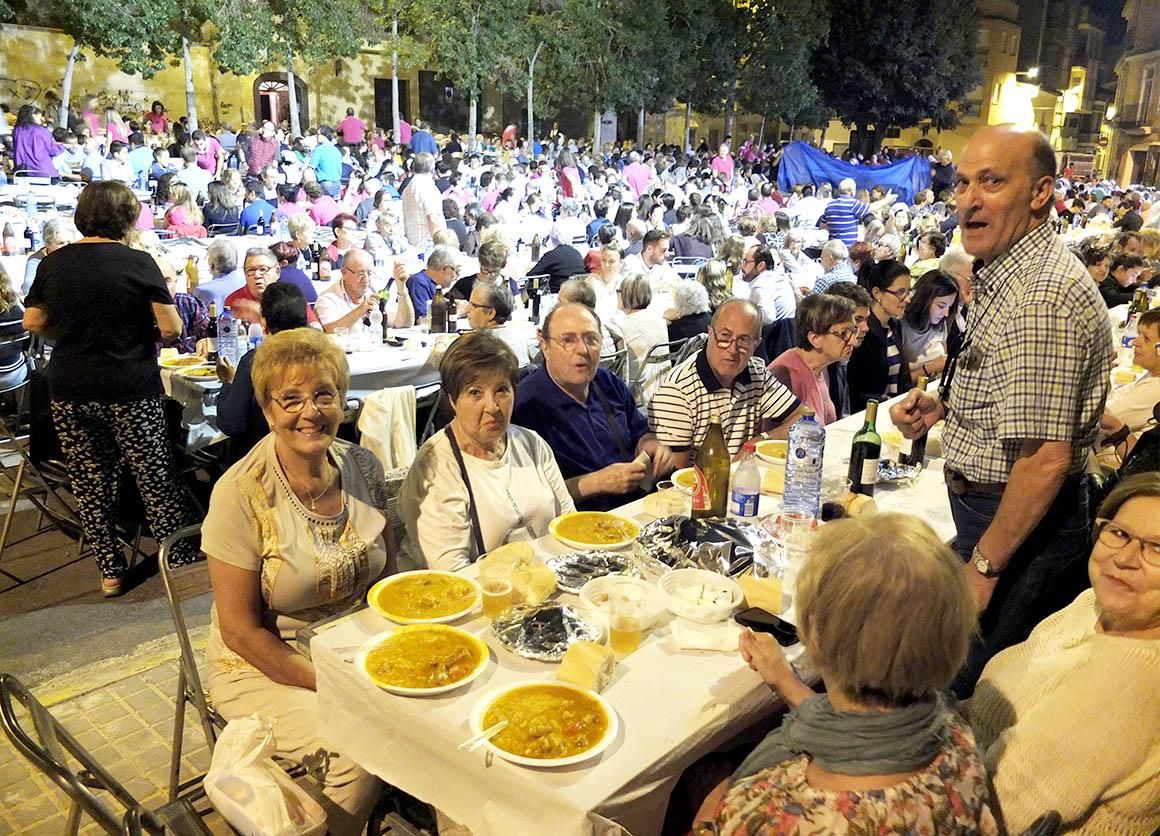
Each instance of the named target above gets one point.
<point>679,411</point>
<point>841,216</point>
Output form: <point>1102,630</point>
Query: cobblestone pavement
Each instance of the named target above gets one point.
<point>127,727</point>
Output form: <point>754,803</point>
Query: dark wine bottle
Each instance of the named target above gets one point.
<point>912,451</point>
<point>864,454</point>
<point>211,334</point>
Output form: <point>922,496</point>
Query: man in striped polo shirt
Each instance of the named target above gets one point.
<point>725,379</point>
<point>843,213</point>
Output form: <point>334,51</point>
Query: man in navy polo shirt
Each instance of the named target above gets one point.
<point>586,414</point>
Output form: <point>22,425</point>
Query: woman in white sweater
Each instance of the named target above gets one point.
<point>481,482</point>
<point>1067,720</point>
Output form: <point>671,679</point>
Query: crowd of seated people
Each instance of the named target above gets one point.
<point>874,298</point>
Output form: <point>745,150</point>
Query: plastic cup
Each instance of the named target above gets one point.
<point>673,501</point>
<point>496,584</point>
<point>626,618</point>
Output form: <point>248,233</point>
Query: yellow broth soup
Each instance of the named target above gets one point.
<point>423,658</point>
<point>425,596</point>
<point>596,528</point>
<point>547,721</point>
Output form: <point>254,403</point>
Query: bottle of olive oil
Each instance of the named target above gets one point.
<point>711,467</point>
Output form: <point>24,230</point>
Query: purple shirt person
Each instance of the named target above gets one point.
<point>33,145</point>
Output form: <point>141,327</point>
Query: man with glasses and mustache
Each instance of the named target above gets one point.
<point>723,378</point>
<point>1022,399</point>
<point>587,414</point>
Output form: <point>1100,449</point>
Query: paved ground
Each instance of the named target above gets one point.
<point>106,669</point>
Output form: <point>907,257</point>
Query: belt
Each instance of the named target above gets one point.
<point>960,484</point>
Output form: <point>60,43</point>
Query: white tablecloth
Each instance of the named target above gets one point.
<point>674,707</point>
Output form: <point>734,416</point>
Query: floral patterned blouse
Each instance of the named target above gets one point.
<point>950,796</point>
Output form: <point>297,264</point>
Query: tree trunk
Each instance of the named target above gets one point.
<point>395,77</point>
<point>473,113</point>
<point>640,128</point>
<point>596,128</point>
<point>761,134</point>
<point>730,109</point>
<point>291,84</point>
<point>688,125</point>
<point>190,95</point>
<point>66,86</point>
<point>531,76</point>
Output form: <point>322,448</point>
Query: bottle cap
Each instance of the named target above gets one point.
<point>808,411</point>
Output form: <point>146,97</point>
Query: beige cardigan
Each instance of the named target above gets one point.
<point>1069,720</point>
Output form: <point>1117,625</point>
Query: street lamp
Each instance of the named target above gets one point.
<point>1031,73</point>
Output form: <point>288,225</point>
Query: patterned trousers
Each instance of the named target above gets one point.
<point>96,439</point>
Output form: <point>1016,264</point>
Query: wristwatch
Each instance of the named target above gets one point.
<point>982,565</point>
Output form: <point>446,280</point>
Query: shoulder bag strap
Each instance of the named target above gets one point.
<point>617,435</point>
<point>476,531</point>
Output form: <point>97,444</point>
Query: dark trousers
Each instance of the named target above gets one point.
<point>1046,574</point>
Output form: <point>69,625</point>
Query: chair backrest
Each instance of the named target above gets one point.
<point>617,362</point>
<point>222,229</point>
<point>776,337</point>
<point>182,582</point>
<point>49,747</point>
<point>692,346</point>
<point>661,354</point>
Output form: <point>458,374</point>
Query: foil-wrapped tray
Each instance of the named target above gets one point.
<point>726,546</point>
<point>543,631</point>
<point>576,569</point>
<point>889,471</point>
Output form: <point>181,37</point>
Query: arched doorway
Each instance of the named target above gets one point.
<point>272,99</point>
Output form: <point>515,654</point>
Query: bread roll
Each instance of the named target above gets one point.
<point>587,664</point>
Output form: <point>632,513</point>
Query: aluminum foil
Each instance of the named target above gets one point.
<point>543,631</point>
<point>889,471</point>
<point>576,569</point>
<point>727,546</point>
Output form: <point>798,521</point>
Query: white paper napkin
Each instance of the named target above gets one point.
<point>721,637</point>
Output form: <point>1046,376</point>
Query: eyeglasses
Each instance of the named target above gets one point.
<point>845,335</point>
<point>1116,537</point>
<point>471,304</point>
<point>358,274</point>
<point>254,271</point>
<point>898,294</point>
<point>569,342</point>
<point>293,404</point>
<point>745,342</point>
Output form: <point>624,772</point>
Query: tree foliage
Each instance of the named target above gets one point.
<point>896,69</point>
<point>775,78</point>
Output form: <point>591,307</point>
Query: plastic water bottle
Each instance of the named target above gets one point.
<point>375,327</point>
<point>803,466</point>
<point>254,335</point>
<point>746,484</point>
<point>228,336</point>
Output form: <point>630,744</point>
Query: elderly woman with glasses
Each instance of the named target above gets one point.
<point>825,335</point>
<point>296,531</point>
<point>877,368</point>
<point>482,481</point>
<point>1066,720</point>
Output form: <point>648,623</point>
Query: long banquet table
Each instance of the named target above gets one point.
<point>674,706</point>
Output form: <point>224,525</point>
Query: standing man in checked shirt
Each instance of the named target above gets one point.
<point>1023,398</point>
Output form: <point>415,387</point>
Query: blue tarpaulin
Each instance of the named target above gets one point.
<point>802,163</point>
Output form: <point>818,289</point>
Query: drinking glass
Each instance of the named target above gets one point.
<point>496,584</point>
<point>342,336</point>
<point>626,617</point>
<point>673,500</point>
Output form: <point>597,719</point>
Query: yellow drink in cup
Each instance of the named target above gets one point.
<point>624,634</point>
<point>497,596</point>
<point>626,617</point>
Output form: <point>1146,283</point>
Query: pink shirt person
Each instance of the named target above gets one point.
<point>352,129</point>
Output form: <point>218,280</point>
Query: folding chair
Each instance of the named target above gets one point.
<point>692,346</point>
<point>659,354</point>
<point>431,400</point>
<point>221,229</point>
<point>51,749</point>
<point>686,266</point>
<point>617,362</point>
<point>183,582</point>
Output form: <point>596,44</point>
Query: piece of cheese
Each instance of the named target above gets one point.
<point>587,664</point>
<point>773,481</point>
<point>763,593</point>
<point>512,555</point>
<point>532,583</point>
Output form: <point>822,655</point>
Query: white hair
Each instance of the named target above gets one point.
<point>690,298</point>
<point>954,259</point>
<point>836,249</point>
<point>847,186</point>
<point>61,229</point>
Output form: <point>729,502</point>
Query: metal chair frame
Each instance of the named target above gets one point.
<point>617,362</point>
<point>49,747</point>
<point>655,356</point>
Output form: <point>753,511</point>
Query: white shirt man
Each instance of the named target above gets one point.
<point>653,262</point>
<point>345,303</point>
<point>422,203</point>
<point>770,289</point>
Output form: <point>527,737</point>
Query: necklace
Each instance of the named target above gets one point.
<point>314,499</point>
